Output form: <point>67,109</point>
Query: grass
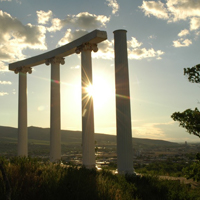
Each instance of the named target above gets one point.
<point>32,179</point>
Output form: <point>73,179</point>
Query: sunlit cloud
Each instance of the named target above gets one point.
<point>182,43</point>
<point>114,5</point>
<point>151,130</point>
<point>70,36</point>
<point>172,10</point>
<point>15,37</point>
<point>154,8</point>
<point>183,33</point>
<point>3,67</point>
<point>183,9</point>
<point>5,83</point>
<point>82,20</point>
<point>194,23</point>
<point>44,17</point>
<point>75,67</point>
<point>134,52</point>
<point>133,43</point>
<point>106,48</point>
<point>3,93</point>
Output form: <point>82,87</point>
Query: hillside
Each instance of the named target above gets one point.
<point>42,135</point>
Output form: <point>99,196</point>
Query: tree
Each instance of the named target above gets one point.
<point>190,119</point>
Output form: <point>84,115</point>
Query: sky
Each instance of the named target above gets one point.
<point>163,38</point>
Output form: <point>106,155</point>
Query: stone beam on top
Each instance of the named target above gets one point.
<point>93,37</point>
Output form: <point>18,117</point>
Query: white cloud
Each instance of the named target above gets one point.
<point>151,130</point>
<point>114,5</point>
<point>183,9</point>
<point>15,37</point>
<point>3,93</point>
<point>172,10</point>
<point>133,43</point>
<point>142,53</point>
<point>154,8</point>
<point>5,83</point>
<point>82,20</point>
<point>106,48</point>
<point>75,67</point>
<point>44,17</point>
<point>134,52</point>
<point>183,33</point>
<point>194,23</point>
<point>3,67</point>
<point>70,36</point>
<point>152,37</point>
<point>182,43</point>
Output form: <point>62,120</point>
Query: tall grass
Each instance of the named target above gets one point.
<point>31,179</point>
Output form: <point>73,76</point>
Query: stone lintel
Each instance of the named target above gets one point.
<point>93,37</point>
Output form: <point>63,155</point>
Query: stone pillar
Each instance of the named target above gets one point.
<point>88,145</point>
<point>55,137</point>
<point>22,149</point>
<point>123,111</point>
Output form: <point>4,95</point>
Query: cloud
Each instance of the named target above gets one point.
<point>82,20</point>
<point>44,17</point>
<point>183,33</point>
<point>172,10</point>
<point>154,8</point>
<point>70,36</point>
<point>3,93</point>
<point>134,52</point>
<point>106,48</point>
<point>15,37</point>
<point>114,5</point>
<point>5,83</point>
<point>151,130</point>
<point>133,43</point>
<point>148,130</point>
<point>182,43</point>
<point>183,9</point>
<point>194,23</point>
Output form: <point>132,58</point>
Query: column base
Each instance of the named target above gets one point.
<point>89,166</point>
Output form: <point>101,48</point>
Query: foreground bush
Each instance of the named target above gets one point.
<point>33,180</point>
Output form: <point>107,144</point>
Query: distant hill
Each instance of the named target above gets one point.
<point>42,135</point>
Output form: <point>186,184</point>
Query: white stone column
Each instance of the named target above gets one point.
<point>88,143</point>
<point>22,148</point>
<point>55,137</point>
<point>123,111</point>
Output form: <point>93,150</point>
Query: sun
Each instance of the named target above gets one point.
<point>100,90</point>
<point>90,90</point>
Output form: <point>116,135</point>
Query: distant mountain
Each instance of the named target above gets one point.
<point>42,135</point>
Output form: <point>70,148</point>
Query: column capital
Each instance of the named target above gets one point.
<point>23,70</point>
<point>86,47</point>
<point>55,60</point>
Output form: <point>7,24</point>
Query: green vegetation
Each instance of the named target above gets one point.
<point>190,119</point>
<point>167,168</point>
<point>193,170</point>
<point>33,179</point>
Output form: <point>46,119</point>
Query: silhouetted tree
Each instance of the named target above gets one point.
<point>190,119</point>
